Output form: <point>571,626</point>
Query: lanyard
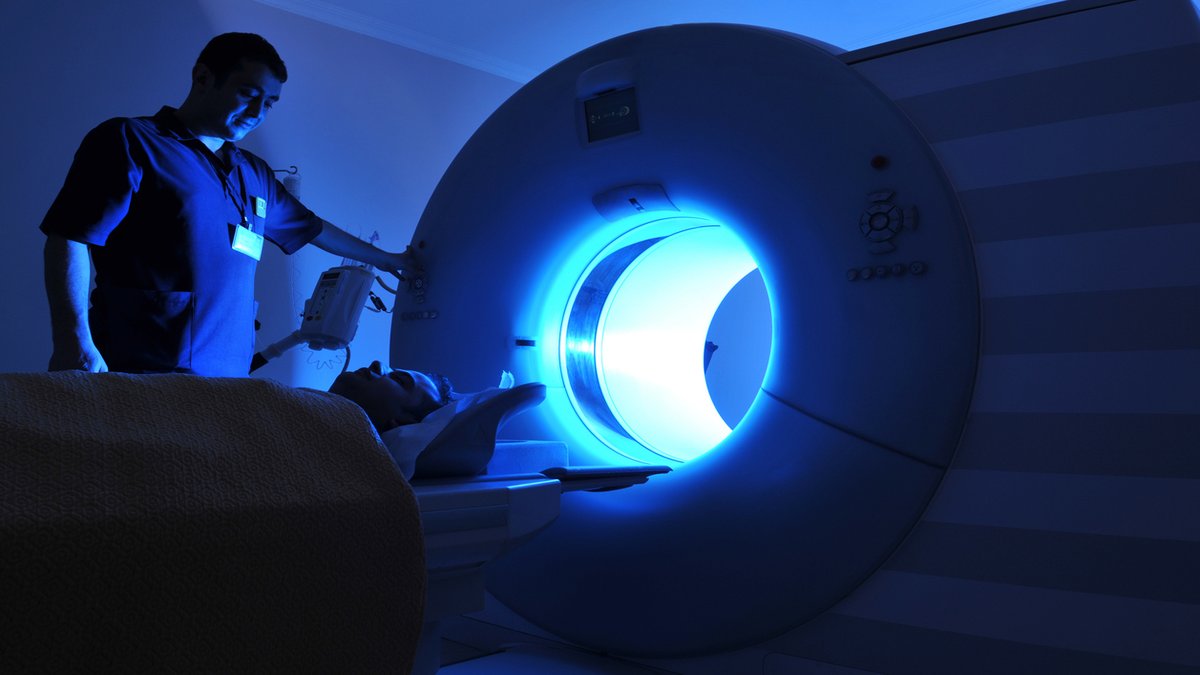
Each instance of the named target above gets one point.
<point>230,192</point>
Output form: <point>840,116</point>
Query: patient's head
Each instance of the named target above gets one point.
<point>392,398</point>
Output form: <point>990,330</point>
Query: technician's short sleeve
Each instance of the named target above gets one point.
<point>99,186</point>
<point>290,224</point>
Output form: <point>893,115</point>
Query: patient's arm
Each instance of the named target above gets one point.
<point>459,439</point>
<point>465,446</point>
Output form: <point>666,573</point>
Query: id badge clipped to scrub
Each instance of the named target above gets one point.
<point>247,241</point>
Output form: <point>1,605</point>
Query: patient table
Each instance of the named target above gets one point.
<point>172,522</point>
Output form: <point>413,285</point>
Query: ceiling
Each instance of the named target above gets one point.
<point>517,39</point>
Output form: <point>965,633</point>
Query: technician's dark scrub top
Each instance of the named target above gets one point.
<point>157,210</point>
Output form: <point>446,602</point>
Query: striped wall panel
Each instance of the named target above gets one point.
<point>1076,33</point>
<point>1065,537</point>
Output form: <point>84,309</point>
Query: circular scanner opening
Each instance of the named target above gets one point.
<point>643,357</point>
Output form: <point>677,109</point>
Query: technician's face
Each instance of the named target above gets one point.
<point>389,397</point>
<point>233,108</point>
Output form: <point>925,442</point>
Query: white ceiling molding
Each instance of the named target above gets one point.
<point>330,13</point>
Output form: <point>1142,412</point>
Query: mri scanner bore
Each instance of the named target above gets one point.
<point>595,262</point>
<point>633,338</point>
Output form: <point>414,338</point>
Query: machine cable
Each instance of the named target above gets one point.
<point>387,288</point>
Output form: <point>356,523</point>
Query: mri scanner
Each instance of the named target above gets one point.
<point>744,148</point>
<point>591,229</point>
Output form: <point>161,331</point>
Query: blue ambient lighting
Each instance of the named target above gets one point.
<point>634,335</point>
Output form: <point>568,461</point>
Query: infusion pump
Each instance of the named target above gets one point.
<point>330,317</point>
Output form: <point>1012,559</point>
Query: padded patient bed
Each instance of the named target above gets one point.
<point>179,523</point>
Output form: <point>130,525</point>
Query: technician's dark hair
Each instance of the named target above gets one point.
<point>224,53</point>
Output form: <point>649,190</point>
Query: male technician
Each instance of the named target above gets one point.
<point>173,216</point>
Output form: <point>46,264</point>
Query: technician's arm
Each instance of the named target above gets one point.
<point>68,280</point>
<point>339,242</point>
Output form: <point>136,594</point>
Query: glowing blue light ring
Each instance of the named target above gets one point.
<point>641,257</point>
<point>579,341</point>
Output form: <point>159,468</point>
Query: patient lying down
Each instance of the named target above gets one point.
<point>431,430</point>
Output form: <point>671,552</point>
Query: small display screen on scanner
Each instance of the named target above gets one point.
<point>611,114</point>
